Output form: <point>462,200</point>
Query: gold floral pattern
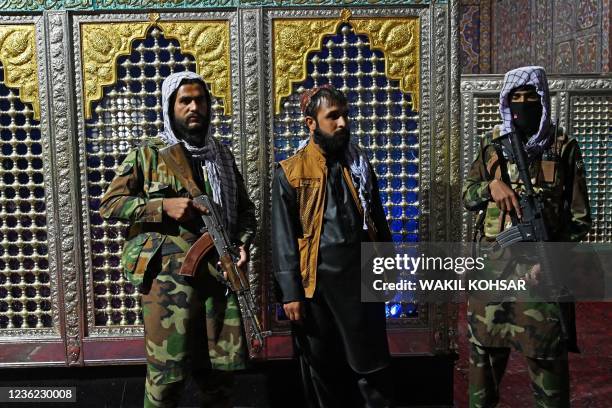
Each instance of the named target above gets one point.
<point>397,38</point>
<point>18,58</point>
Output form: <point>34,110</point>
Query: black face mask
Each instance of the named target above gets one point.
<point>332,144</point>
<point>526,116</point>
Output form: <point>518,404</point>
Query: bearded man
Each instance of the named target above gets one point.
<point>192,326</point>
<point>325,203</point>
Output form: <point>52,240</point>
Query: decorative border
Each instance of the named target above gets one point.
<point>251,107</point>
<point>454,226</point>
<point>439,203</point>
<point>117,5</point>
<point>62,131</point>
<point>93,330</point>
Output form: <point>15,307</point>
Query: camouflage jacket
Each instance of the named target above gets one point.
<point>135,195</point>
<point>559,178</point>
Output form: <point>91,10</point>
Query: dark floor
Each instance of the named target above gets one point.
<point>420,381</point>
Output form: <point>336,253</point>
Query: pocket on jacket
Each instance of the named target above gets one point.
<point>137,252</point>
<point>307,194</point>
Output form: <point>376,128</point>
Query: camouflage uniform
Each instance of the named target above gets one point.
<point>530,328</point>
<point>191,325</point>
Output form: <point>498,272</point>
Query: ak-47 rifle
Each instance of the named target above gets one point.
<point>235,279</point>
<point>531,227</point>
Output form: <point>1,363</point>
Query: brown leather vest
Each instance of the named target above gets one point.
<point>306,172</point>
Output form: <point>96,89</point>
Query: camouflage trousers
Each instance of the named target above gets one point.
<point>549,378</point>
<point>191,329</point>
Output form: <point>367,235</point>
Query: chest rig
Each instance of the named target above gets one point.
<point>547,175</point>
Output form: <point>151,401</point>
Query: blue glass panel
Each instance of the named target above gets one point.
<point>411,124</point>
<point>396,197</point>
<point>381,169</point>
<point>411,183</point>
<point>396,183</point>
<point>412,211</point>
<point>411,140</point>
<point>381,154</point>
<point>279,143</point>
<point>395,124</point>
<point>412,168</point>
<point>411,197</point>
<point>412,225</point>
<point>396,226</point>
<point>410,309</point>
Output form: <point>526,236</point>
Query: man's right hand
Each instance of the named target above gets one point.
<point>294,310</point>
<point>504,197</point>
<point>181,209</point>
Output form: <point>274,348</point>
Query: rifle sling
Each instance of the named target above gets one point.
<point>177,162</point>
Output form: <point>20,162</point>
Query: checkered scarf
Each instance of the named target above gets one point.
<point>213,156</point>
<point>535,76</point>
<point>359,166</point>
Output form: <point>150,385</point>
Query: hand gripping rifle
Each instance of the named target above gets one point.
<point>531,227</point>
<point>235,279</point>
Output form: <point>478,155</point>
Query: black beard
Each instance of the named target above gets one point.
<point>332,144</point>
<point>193,136</point>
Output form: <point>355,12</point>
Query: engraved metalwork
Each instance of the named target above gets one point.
<point>208,42</point>
<point>399,40</point>
<point>296,39</point>
<point>109,5</point>
<point>251,78</point>
<point>18,57</point>
<point>293,42</point>
<point>104,43</point>
<point>61,131</point>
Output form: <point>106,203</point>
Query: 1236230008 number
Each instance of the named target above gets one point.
<point>37,394</point>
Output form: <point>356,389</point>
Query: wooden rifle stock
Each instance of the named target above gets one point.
<point>195,254</point>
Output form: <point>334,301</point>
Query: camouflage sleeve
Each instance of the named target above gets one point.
<point>125,200</point>
<point>247,223</point>
<point>577,222</point>
<point>476,193</point>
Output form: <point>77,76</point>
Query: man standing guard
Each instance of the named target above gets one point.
<point>555,164</point>
<point>325,203</point>
<point>192,326</point>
